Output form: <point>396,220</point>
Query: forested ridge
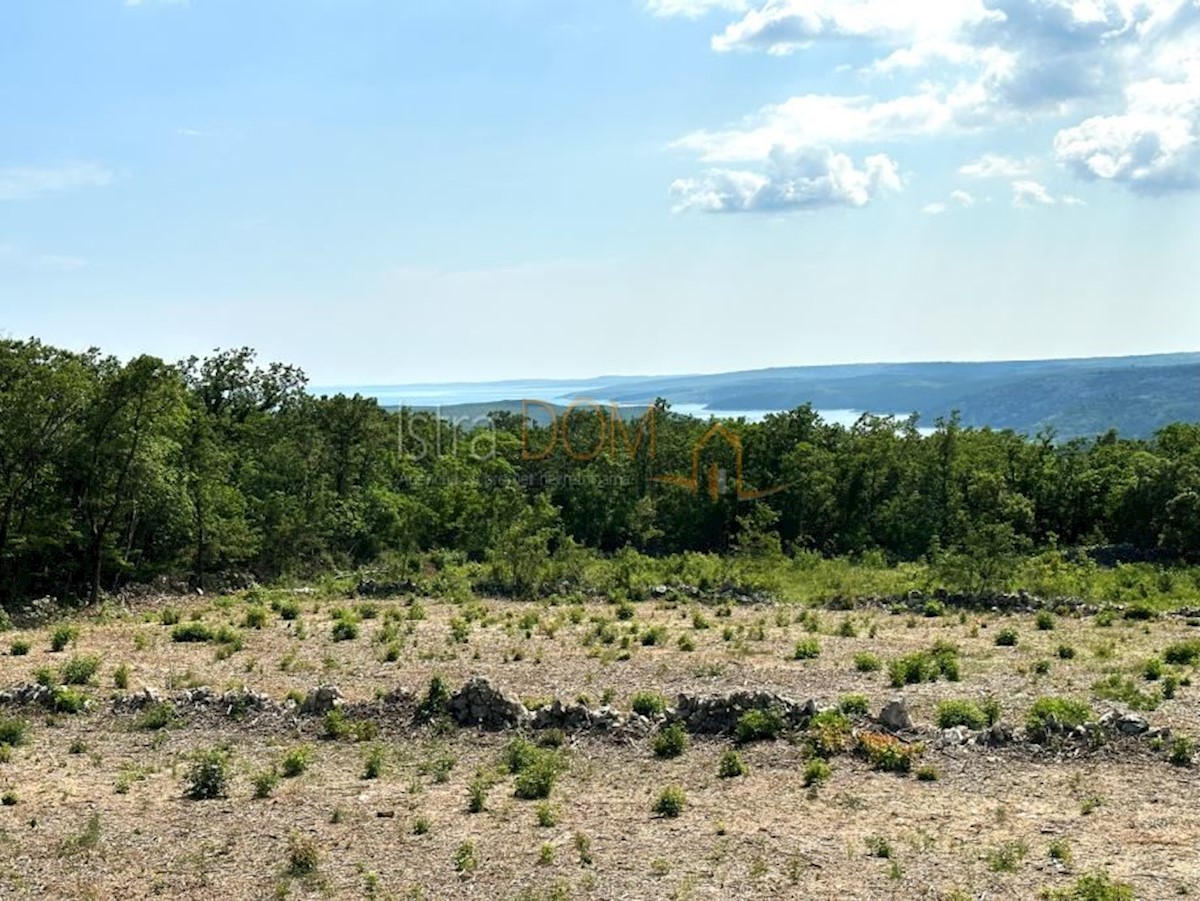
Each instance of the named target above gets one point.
<point>114,472</point>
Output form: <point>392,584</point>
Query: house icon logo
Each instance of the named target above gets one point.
<point>716,479</point>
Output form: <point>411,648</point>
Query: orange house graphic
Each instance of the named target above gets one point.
<point>715,477</point>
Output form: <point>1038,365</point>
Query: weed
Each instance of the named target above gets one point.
<point>878,846</point>
<point>208,777</point>
<point>648,703</point>
<point>62,636</point>
<point>1007,638</point>
<point>1060,850</point>
<point>1182,751</point>
<point>816,771</point>
<point>806,649</point>
<point>547,815</point>
<point>670,802</point>
<point>1044,620</point>
<point>854,705</point>
<point>887,753</point>
<point>1092,887</point>
<point>465,859</point>
<point>1050,714</point>
<point>1066,652</point>
<point>265,782</point>
<point>960,713</point>
<point>13,731</point>
<point>1006,858</point>
<point>296,761</point>
<point>731,765</point>
<point>867,662</point>
<point>19,647</point>
<point>927,773</point>
<point>303,855</point>
<point>759,725</point>
<point>373,762</point>
<point>121,677</point>
<point>671,741</point>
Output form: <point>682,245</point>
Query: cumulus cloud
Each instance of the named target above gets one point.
<point>24,183</point>
<point>962,198</point>
<point>934,209</point>
<point>811,178</point>
<point>693,9</point>
<point>992,165</point>
<point>1027,194</point>
<point>958,199</point>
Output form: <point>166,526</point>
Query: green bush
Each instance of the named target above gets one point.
<point>1182,751</point>
<point>436,702</point>
<point>854,705</point>
<point>265,782</point>
<point>62,636</point>
<point>648,703</point>
<point>80,670</point>
<point>1093,887</point>
<point>925,666</point>
<point>816,771</point>
<point>19,647</point>
<point>1153,670</point>
<point>732,765</point>
<point>759,725</point>
<point>68,700</point>
<point>1066,713</point>
<point>1116,687</point>
<point>194,631</point>
<point>13,731</point>
<point>1183,653</point>
<point>1007,638</point>
<point>671,741</point>
<point>1066,652</point>
<point>156,716</point>
<point>345,630</point>
<point>1044,620</point>
<point>960,713</point>
<point>866,662</point>
<point>806,649</point>
<point>670,802</point>
<point>296,761</point>
<point>256,618</point>
<point>209,775</point>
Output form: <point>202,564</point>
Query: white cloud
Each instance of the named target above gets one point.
<point>934,209</point>
<point>23,183</point>
<point>963,199</point>
<point>1028,194</point>
<point>693,9</point>
<point>992,165</point>
<point>811,178</point>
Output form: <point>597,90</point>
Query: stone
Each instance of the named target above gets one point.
<point>1132,724</point>
<point>321,700</point>
<point>479,703</point>
<point>895,716</point>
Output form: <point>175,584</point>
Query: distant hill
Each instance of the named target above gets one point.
<point>1081,397</point>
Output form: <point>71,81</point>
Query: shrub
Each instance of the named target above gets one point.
<point>878,846</point>
<point>927,773</point>
<point>168,616</point>
<point>121,677</point>
<point>648,703</point>
<point>465,859</point>
<point>19,648</point>
<point>436,702</point>
<point>1066,652</point>
<point>854,705</point>
<point>671,741</point>
<point>1093,887</point>
<point>208,776</point>
<point>477,795</point>
<point>537,774</point>
<point>960,713</point>
<point>816,771</point>
<point>547,815</point>
<point>1007,638</point>
<point>1060,850</point>
<point>732,765</point>
<point>265,783</point>
<point>289,610</point>
<point>1121,688</point>
<point>887,753</point>
<point>373,762</point>
<point>80,670</point>
<point>13,731</point>
<point>1182,749</point>
<point>303,856</point>
<point>421,826</point>
<point>829,733</point>
<point>1044,620</point>
<point>670,802</point>
<point>63,636</point>
<point>1049,713</point>
<point>256,618</point>
<point>807,649</point>
<point>1183,653</point>
<point>156,716</point>
<point>345,630</point>
<point>866,662</point>
<point>759,725</point>
<point>296,761</point>
<point>68,700</point>
<point>1153,670</point>
<point>194,631</point>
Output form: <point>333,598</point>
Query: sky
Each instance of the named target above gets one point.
<point>386,191</point>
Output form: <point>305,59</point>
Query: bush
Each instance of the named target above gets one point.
<point>1121,688</point>
<point>265,783</point>
<point>671,802</point>
<point>373,762</point>
<point>19,648</point>
<point>1045,620</point>
<point>1093,887</point>
<point>296,761</point>
<point>648,703</point>
<point>1007,638</point>
<point>63,636</point>
<point>477,795</point>
<point>887,753</point>
<point>1182,750</point>
<point>671,741</point>
<point>1066,652</point>
<point>829,733</point>
<point>80,670</point>
<point>1007,857</point>
<point>1183,653</point>
<point>816,771</point>
<point>1153,670</point>
<point>732,765</point>
<point>854,705</point>
<point>68,700</point>
<point>345,630</point>
<point>925,666</point>
<point>927,773</point>
<point>537,775</point>
<point>156,716</point>
<point>1049,713</point>
<point>759,725</point>
<point>960,713</point>
<point>194,631</point>
<point>303,856</point>
<point>256,618</point>
<point>168,616</point>
<point>121,677</point>
<point>208,777</point>
<point>867,662</point>
<point>436,702</point>
<point>13,731</point>
<point>807,649</point>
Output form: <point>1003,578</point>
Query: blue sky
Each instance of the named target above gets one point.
<point>398,191</point>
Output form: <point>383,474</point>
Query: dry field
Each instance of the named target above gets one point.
<point>95,802</point>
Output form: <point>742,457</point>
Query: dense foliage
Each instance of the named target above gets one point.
<point>112,472</point>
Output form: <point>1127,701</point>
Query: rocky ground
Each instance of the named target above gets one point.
<point>96,802</point>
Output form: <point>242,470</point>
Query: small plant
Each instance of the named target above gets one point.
<point>208,776</point>
<point>68,700</point>
<point>193,632</point>
<point>80,670</point>
<point>345,630</point>
<point>806,649</point>
<point>866,662</point>
<point>960,713</point>
<point>121,677</point>
<point>547,815</point>
<point>1049,714</point>
<point>878,846</point>
<point>1183,653</point>
<point>759,725</point>
<point>671,741</point>
<point>296,761</point>
<point>265,782</point>
<point>465,860</point>
<point>9,798</point>
<point>1060,850</point>
<point>420,826</point>
<point>670,802</point>
<point>1044,621</point>
<point>583,847</point>
<point>829,733</point>
<point>1182,751</point>
<point>19,647</point>
<point>1006,858</point>
<point>436,702</point>
<point>546,854</point>
<point>854,705</point>
<point>477,793</point>
<point>303,855</point>
<point>927,773</point>
<point>1090,804</point>
<point>731,765</point>
<point>13,731</point>
<point>816,771</point>
<point>256,618</point>
<point>648,703</point>
<point>1007,638</point>
<point>1066,652</point>
<point>373,762</point>
<point>1092,887</point>
<point>887,753</point>
<point>925,666</point>
<point>1152,671</point>
<point>62,636</point>
<point>1121,688</point>
<point>156,716</point>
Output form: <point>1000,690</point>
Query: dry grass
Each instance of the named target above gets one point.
<point>764,835</point>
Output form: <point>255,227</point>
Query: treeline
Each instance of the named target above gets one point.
<point>114,472</point>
